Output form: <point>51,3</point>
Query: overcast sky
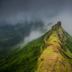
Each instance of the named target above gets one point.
<point>13,11</point>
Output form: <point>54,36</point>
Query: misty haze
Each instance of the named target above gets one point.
<point>34,33</point>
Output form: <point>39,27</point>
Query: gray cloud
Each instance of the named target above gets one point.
<point>49,11</point>
<point>17,11</point>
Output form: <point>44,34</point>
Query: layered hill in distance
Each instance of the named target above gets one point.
<point>52,52</point>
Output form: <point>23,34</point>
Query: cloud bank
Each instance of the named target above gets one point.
<point>49,11</point>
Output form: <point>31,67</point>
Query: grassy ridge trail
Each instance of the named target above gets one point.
<point>51,59</point>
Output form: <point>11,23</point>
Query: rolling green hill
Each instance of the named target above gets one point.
<point>52,52</point>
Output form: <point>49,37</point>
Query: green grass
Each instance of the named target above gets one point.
<point>23,60</point>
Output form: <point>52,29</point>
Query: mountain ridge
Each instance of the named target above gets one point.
<point>52,52</point>
<point>51,59</point>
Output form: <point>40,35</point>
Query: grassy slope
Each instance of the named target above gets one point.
<point>67,48</point>
<point>51,60</point>
<point>25,60</point>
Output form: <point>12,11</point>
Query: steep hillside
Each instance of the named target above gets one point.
<point>50,53</point>
<point>51,59</point>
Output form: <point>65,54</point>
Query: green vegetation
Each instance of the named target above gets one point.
<point>26,58</point>
<point>23,60</point>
